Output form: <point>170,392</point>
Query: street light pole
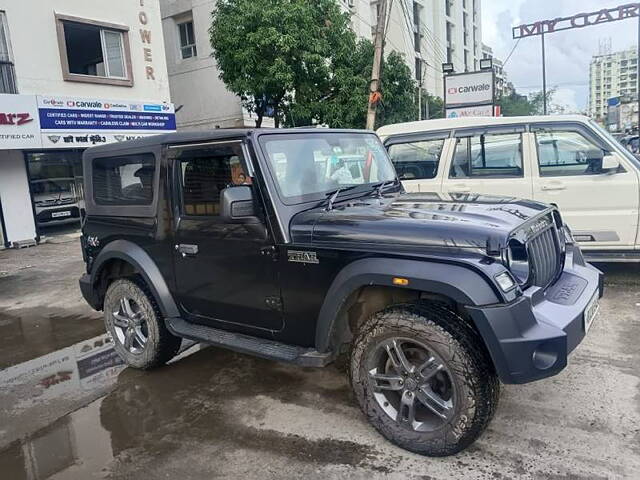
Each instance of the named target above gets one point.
<point>544,79</point>
<point>377,63</point>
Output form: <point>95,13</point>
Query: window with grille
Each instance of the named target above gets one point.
<point>187,40</point>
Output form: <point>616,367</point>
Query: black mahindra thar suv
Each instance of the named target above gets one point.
<point>301,246</point>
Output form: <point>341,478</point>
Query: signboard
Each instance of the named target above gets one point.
<point>19,123</point>
<point>44,121</point>
<point>473,111</point>
<point>580,20</point>
<point>467,89</point>
<point>67,122</point>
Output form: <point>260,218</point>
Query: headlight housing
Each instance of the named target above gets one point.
<point>518,261</point>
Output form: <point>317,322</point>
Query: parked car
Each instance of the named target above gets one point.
<point>567,161</point>
<point>56,201</point>
<point>430,298</point>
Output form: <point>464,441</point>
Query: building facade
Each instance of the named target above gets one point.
<point>427,33</point>
<point>72,74</point>
<point>503,87</point>
<point>613,75</point>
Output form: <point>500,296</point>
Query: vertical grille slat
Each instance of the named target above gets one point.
<point>544,256</point>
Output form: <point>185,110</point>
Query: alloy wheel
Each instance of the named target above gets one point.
<point>411,384</point>
<point>130,326</point>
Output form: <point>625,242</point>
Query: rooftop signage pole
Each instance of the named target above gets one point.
<point>580,20</point>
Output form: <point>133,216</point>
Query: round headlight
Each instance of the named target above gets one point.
<point>518,261</point>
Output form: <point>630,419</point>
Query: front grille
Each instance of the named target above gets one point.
<point>545,257</point>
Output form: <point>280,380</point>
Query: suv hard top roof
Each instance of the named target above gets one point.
<point>441,124</point>
<point>203,136</point>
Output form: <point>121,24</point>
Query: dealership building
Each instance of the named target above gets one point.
<point>73,74</point>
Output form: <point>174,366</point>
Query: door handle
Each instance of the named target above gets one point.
<point>186,249</point>
<point>556,186</point>
<point>460,189</point>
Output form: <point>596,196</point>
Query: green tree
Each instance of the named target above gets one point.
<point>343,100</point>
<point>522,105</point>
<point>436,106</point>
<point>267,50</point>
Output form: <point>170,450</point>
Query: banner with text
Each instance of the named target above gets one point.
<point>468,89</point>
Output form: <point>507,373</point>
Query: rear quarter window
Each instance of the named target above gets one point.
<point>124,180</point>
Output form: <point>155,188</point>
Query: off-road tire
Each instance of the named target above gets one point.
<point>462,352</point>
<point>161,345</point>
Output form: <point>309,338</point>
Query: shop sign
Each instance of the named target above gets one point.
<point>87,139</point>
<point>469,89</point>
<point>19,124</point>
<point>80,114</point>
<point>475,111</point>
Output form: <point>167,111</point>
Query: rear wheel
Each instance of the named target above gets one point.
<point>134,321</point>
<point>423,379</point>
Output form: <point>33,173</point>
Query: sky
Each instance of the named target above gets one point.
<point>568,53</point>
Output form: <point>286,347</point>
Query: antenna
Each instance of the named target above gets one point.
<point>604,46</point>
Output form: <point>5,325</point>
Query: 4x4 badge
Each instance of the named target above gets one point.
<point>302,257</point>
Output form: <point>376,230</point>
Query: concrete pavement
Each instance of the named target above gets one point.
<point>70,410</point>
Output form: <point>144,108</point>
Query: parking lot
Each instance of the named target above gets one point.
<point>70,410</point>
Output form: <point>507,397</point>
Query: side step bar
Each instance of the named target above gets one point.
<point>238,342</point>
<point>611,257</point>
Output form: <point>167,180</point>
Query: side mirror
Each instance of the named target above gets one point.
<point>610,163</point>
<point>236,203</point>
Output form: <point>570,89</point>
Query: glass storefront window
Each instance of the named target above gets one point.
<point>56,186</point>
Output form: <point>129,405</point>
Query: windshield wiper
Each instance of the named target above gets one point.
<point>380,187</point>
<point>333,195</point>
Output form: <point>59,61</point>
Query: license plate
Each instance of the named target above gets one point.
<point>591,312</point>
<point>61,214</point>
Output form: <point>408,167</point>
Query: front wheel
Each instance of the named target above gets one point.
<point>134,321</point>
<point>422,377</point>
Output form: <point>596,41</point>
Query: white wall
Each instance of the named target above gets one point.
<point>32,29</point>
<point>195,84</point>
<point>16,200</point>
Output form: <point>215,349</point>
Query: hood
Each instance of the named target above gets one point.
<point>419,220</point>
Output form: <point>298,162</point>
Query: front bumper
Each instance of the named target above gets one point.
<point>531,338</point>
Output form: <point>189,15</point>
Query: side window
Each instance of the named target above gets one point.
<point>488,156</point>
<point>205,172</point>
<point>567,153</point>
<point>417,160</point>
<point>125,180</point>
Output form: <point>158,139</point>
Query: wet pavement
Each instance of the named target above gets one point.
<point>69,409</point>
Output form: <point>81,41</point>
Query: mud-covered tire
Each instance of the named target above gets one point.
<point>461,352</point>
<point>160,346</point>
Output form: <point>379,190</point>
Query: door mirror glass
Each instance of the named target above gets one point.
<point>237,203</point>
<point>610,163</point>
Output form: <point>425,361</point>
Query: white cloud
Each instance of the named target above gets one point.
<point>568,53</point>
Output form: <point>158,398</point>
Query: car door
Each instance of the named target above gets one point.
<point>601,208</point>
<point>490,162</point>
<point>225,272</point>
<point>417,160</point>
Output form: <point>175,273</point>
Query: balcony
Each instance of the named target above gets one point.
<point>7,77</point>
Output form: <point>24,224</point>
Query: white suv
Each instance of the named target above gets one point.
<point>569,161</point>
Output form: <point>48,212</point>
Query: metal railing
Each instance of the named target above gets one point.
<point>7,77</point>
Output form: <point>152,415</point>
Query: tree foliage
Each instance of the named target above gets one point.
<point>299,60</point>
<point>268,49</point>
<point>343,103</point>
<point>523,105</point>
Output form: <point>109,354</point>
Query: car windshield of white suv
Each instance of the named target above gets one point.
<point>308,166</point>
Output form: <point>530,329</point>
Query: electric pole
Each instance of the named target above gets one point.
<point>374,86</point>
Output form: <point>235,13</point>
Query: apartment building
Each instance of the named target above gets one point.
<point>503,87</point>
<point>73,74</point>
<point>610,76</point>
<point>427,33</point>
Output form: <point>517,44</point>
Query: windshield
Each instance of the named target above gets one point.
<point>308,166</point>
<point>619,148</point>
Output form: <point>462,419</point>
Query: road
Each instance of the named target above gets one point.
<point>70,410</point>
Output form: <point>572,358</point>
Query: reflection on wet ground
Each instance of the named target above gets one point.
<point>100,414</point>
